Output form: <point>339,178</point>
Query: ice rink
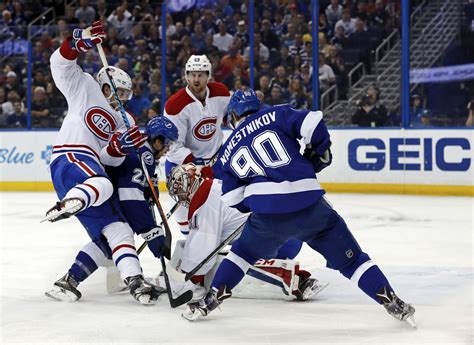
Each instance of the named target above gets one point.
<point>423,244</point>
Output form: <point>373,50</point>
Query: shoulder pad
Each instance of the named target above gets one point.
<point>177,102</point>
<point>218,89</point>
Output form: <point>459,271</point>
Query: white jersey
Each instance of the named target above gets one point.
<point>199,126</point>
<point>90,120</point>
<point>210,222</point>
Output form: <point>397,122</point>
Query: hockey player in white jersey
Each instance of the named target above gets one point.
<point>198,111</point>
<point>210,222</point>
<point>89,136</point>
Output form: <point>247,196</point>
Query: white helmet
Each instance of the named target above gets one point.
<point>120,78</point>
<point>198,63</point>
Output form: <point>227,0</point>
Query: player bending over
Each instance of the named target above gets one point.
<point>131,187</point>
<point>210,222</point>
<point>90,137</point>
<point>264,172</point>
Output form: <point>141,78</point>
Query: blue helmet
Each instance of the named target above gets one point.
<point>242,103</point>
<point>161,126</point>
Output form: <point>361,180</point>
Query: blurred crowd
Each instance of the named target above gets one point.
<point>348,32</point>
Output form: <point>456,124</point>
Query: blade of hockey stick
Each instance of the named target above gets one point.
<point>179,300</point>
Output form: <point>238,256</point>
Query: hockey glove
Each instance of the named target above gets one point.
<point>155,239</point>
<point>122,144</point>
<point>85,39</point>
<point>319,162</point>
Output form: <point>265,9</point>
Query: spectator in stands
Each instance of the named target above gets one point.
<point>232,59</point>
<point>324,46</point>
<point>70,15</point>
<point>135,35</point>
<point>119,19</point>
<point>416,110</point>
<point>281,79</point>
<point>137,15</point>
<point>7,26</point>
<point>12,83</point>
<point>298,97</point>
<point>289,37</point>
<point>264,85</point>
<point>8,105</point>
<point>242,33</point>
<point>470,117</point>
<point>237,75</point>
<point>334,61</point>
<point>89,65</point>
<point>306,74</point>
<point>301,24</point>
<point>380,17</point>
<point>265,69</point>
<point>326,75</point>
<point>101,9</point>
<point>85,12</point>
<point>139,104</point>
<point>40,109</point>
<point>298,48</point>
<point>361,11</point>
<point>339,39</point>
<point>333,12</point>
<point>348,23</point>
<point>269,38</point>
<point>276,96</point>
<point>261,51</point>
<point>198,39</point>
<point>222,40</point>
<point>284,59</point>
<point>291,13</point>
<point>18,118</point>
<point>170,28</point>
<point>278,27</point>
<point>360,40</point>
<point>185,50</point>
<point>178,35</point>
<point>370,113</point>
<point>323,25</point>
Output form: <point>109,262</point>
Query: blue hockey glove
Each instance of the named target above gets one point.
<point>319,162</point>
<point>155,239</point>
<point>122,144</point>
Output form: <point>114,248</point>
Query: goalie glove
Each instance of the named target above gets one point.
<point>319,162</point>
<point>85,39</point>
<point>155,239</point>
<point>121,144</point>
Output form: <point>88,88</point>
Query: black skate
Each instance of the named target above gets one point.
<point>65,289</point>
<point>142,291</point>
<point>396,307</point>
<point>308,287</point>
<point>64,209</point>
<point>204,306</point>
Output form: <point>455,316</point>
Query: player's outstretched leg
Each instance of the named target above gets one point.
<point>64,209</point>
<point>65,289</point>
<point>396,307</point>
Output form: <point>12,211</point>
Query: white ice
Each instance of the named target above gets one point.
<point>423,244</point>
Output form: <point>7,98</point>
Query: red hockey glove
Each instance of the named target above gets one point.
<point>85,39</point>
<point>122,144</point>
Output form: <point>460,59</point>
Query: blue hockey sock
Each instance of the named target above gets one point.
<point>230,272</point>
<point>82,267</point>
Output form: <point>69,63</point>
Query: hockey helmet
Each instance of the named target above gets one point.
<point>242,103</point>
<point>160,126</point>
<point>183,182</point>
<point>198,63</point>
<point>122,82</point>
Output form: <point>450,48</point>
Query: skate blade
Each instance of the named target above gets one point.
<point>72,207</point>
<point>190,315</point>
<point>315,290</point>
<point>146,300</point>
<point>411,321</point>
<point>61,295</point>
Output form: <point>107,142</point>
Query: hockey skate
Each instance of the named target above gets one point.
<point>64,209</point>
<point>204,306</point>
<point>65,289</point>
<point>396,307</point>
<point>308,287</point>
<point>142,291</point>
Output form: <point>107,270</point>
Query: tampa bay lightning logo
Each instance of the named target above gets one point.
<point>148,158</point>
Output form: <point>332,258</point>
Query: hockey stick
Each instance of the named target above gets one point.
<point>167,247</point>
<point>229,239</point>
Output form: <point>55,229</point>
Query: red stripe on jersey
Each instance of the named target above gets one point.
<point>75,146</point>
<point>177,102</point>
<point>218,89</point>
<point>86,168</point>
<point>94,189</point>
<point>183,223</point>
<point>122,246</point>
<point>200,197</point>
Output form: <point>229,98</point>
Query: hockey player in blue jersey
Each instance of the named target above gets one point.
<point>263,171</point>
<point>130,186</point>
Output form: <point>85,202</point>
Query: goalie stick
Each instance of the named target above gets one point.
<point>167,247</point>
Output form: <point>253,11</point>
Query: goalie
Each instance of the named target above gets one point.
<point>210,222</point>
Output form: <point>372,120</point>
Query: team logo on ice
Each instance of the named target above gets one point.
<point>205,129</point>
<point>100,122</point>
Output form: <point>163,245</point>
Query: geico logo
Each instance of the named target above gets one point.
<point>415,154</point>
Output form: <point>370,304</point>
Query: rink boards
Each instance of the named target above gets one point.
<point>434,162</point>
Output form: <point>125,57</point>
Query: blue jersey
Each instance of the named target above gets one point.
<point>261,166</point>
<point>130,185</point>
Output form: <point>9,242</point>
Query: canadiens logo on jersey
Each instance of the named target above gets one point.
<point>205,129</point>
<point>100,122</point>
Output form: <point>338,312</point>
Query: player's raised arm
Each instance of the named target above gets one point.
<point>67,75</point>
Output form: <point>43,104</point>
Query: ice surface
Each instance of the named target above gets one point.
<point>423,244</point>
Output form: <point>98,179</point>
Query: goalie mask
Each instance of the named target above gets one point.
<point>183,181</point>
<point>122,82</point>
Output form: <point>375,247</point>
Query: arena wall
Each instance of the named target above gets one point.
<point>432,162</point>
